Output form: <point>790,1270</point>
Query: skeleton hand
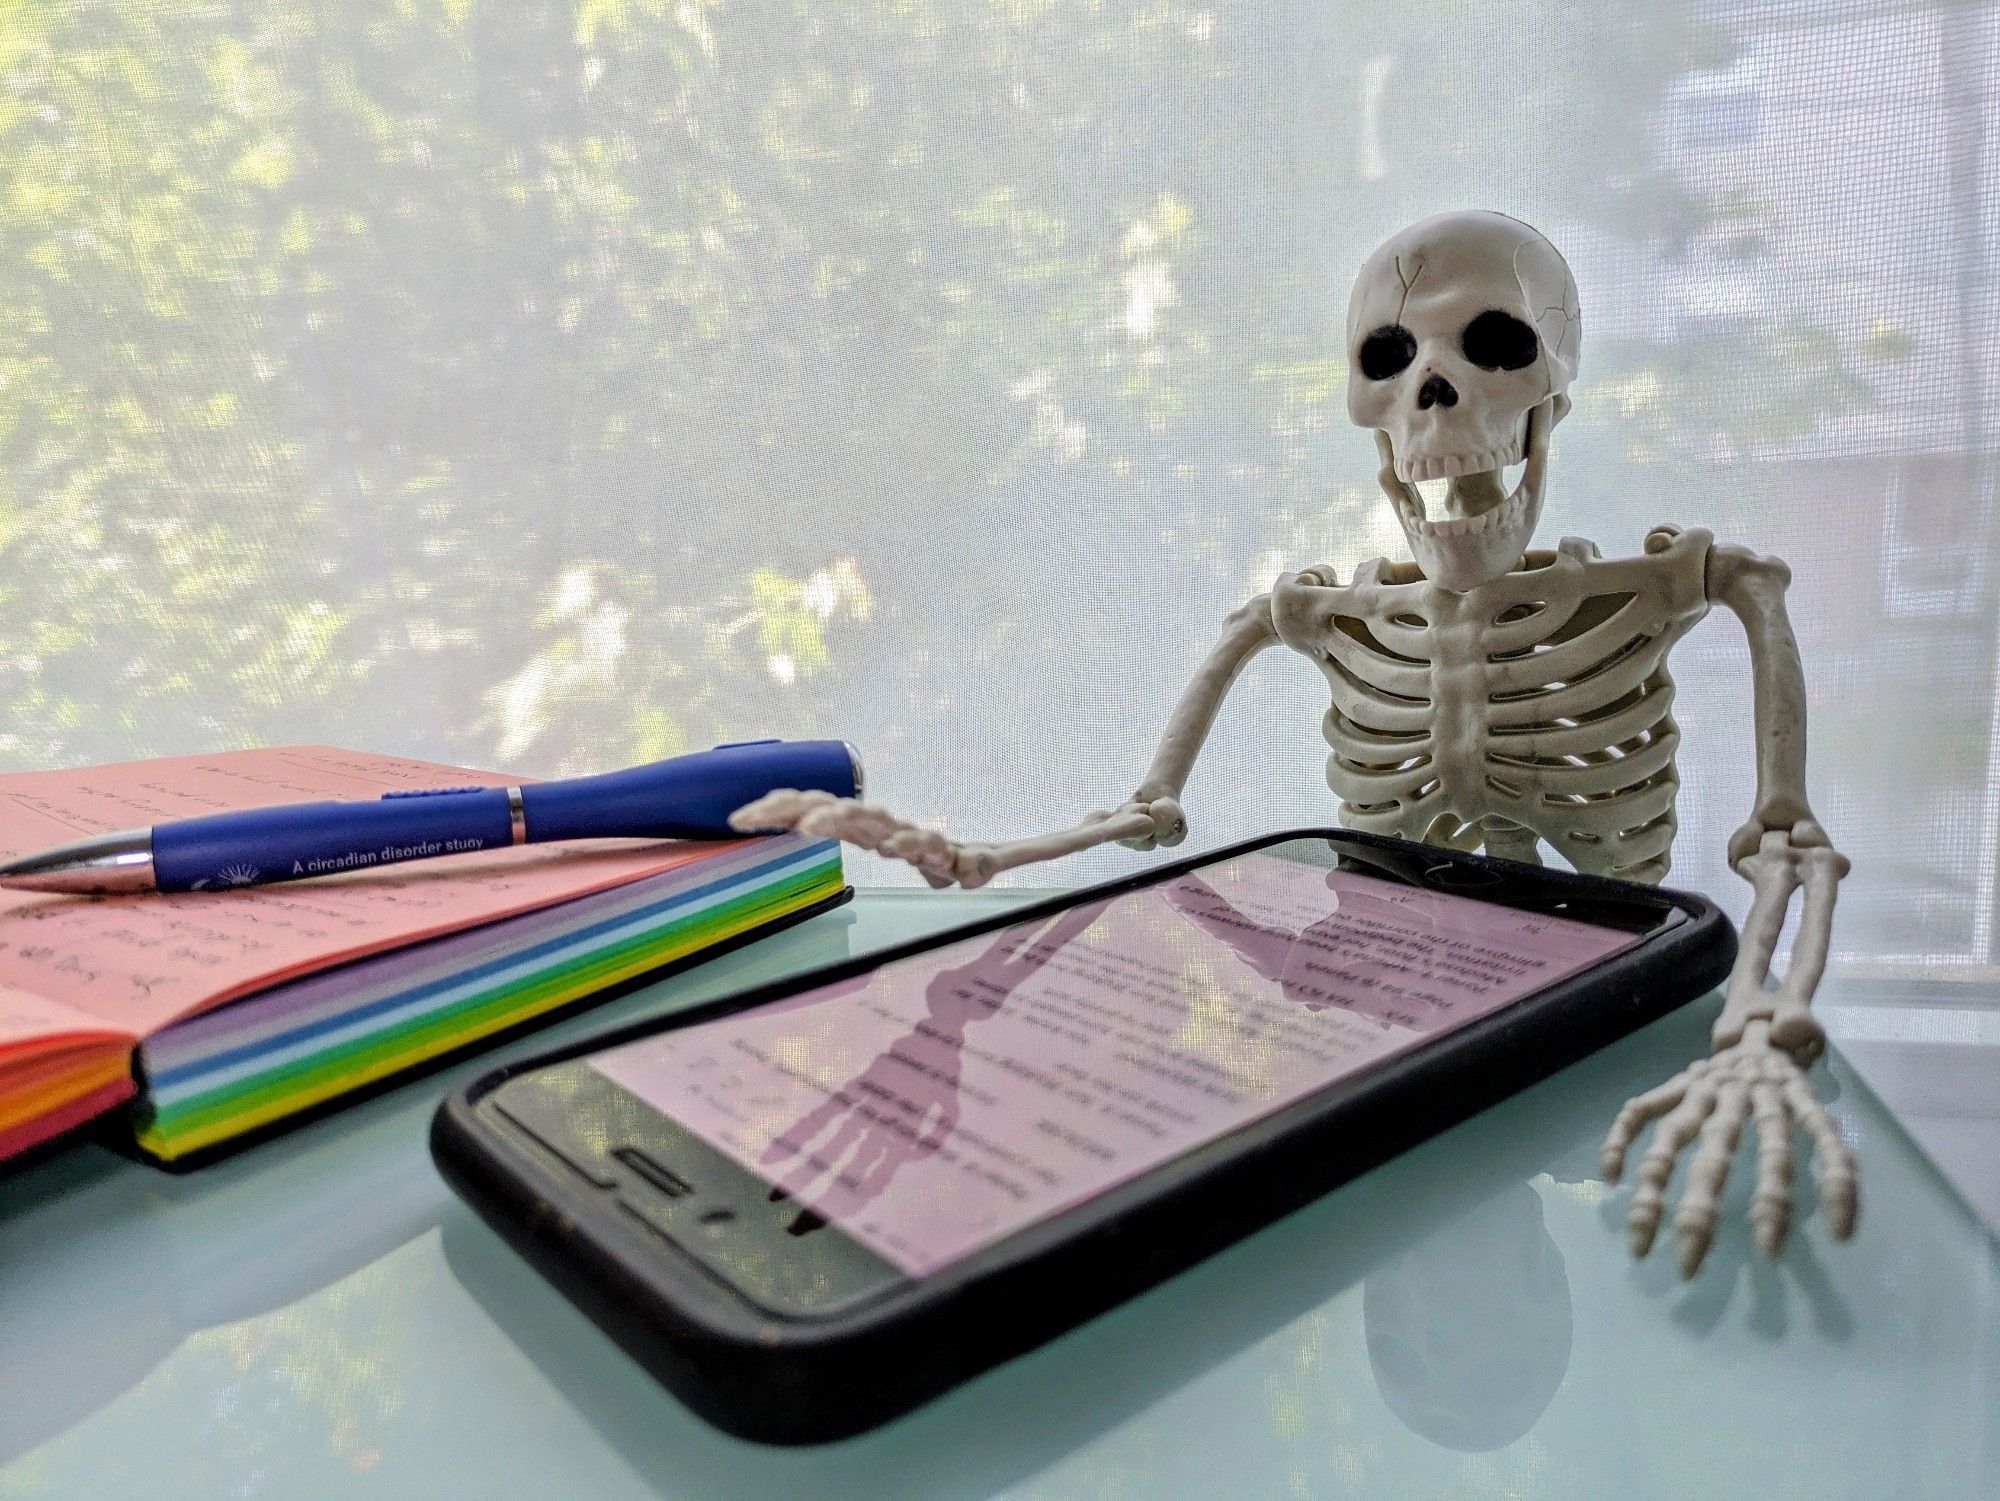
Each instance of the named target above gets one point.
<point>824,816</point>
<point>1710,1101</point>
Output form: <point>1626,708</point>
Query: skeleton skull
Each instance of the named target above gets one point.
<point>1463,333</point>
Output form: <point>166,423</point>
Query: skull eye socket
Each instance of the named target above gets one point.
<point>1388,351</point>
<point>1499,341</point>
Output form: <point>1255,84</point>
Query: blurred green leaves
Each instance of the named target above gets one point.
<point>549,383</point>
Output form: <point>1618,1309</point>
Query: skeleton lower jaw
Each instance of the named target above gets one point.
<point>1483,532</point>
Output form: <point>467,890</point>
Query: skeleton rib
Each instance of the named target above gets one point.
<point>1553,672</point>
<point>1410,642</point>
<point>1647,842</point>
<point>1623,719</point>
<point>1609,816</point>
<point>1387,819</point>
<point>1580,698</point>
<point>1393,676</point>
<point>1571,660</point>
<point>1370,786</point>
<point>1524,632</point>
<point>1363,703</point>
<point>1609,774</point>
<point>1368,746</point>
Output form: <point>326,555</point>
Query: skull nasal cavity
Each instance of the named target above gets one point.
<point>1436,392</point>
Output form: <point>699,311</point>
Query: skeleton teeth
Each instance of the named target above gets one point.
<point>1465,526</point>
<point>1449,466</point>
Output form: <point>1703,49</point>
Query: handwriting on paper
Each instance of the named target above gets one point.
<point>137,962</point>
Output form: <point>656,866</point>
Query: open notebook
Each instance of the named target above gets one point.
<point>226,1012</point>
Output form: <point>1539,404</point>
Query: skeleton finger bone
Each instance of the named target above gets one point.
<point>1838,1192</point>
<point>1751,1081</point>
<point>824,816</point>
<point>1657,1166</point>
<point>1635,1117</point>
<point>777,810</point>
<point>1771,1204</point>
<point>1708,1173</point>
<point>856,823</point>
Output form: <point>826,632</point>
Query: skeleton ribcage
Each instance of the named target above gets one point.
<point>1536,706</point>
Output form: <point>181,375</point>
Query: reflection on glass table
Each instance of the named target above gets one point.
<point>318,1317</point>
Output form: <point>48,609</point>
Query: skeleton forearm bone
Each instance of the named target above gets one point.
<point>1152,816</point>
<point>941,862</point>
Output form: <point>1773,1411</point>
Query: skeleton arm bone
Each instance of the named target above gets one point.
<point>941,861</point>
<point>1150,817</point>
<point>1782,848</point>
<point>1763,1039</point>
<point>1248,631</point>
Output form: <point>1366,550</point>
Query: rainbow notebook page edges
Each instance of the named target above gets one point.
<point>239,1008</point>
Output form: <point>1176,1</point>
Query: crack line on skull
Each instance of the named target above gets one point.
<point>1569,321</point>
<point>1408,282</point>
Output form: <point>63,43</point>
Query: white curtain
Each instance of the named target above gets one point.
<point>554,386</point>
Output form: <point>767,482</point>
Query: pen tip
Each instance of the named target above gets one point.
<point>120,861</point>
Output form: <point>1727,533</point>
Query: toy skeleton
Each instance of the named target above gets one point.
<point>1490,694</point>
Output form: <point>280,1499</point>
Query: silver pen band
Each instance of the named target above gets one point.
<point>517,817</point>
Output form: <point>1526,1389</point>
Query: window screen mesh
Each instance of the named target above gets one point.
<point>558,386</point>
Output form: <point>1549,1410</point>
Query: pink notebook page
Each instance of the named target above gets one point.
<point>28,1022</point>
<point>131,964</point>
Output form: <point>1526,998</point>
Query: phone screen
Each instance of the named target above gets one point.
<point>941,1102</point>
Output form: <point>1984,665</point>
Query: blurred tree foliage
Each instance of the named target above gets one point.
<point>557,384</point>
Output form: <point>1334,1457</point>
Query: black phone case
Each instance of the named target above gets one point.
<point>781,1380</point>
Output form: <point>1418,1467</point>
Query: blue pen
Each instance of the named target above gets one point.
<point>689,797</point>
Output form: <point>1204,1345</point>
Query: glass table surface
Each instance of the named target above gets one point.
<point>320,1317</point>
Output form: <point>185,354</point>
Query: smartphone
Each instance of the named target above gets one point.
<point>808,1208</point>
